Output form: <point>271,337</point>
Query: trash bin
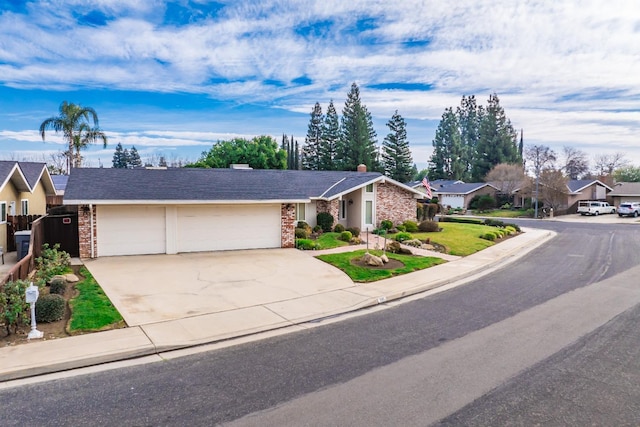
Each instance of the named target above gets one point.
<point>22,243</point>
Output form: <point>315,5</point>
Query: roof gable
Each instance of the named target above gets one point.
<point>35,172</point>
<point>463,188</point>
<point>626,189</point>
<point>9,171</point>
<point>577,185</point>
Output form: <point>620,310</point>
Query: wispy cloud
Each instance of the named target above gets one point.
<point>565,71</point>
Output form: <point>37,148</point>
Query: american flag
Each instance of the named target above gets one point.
<point>425,182</point>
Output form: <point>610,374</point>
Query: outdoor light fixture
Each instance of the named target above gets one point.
<point>350,201</point>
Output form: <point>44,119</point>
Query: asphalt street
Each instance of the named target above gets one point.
<point>350,357</point>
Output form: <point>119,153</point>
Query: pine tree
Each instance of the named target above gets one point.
<point>127,158</point>
<point>119,159</point>
<point>329,140</point>
<point>396,155</point>
<point>357,143</point>
<point>311,149</point>
<point>469,117</point>
<point>134,158</point>
<point>497,142</point>
<point>447,146</point>
<point>296,156</point>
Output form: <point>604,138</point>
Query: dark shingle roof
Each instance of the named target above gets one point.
<point>576,185</point>
<point>174,184</point>
<point>60,181</point>
<point>32,171</point>
<point>462,188</point>
<point>7,171</point>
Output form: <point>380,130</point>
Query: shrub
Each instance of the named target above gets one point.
<point>302,224</point>
<point>52,261</point>
<point>400,228</point>
<point>462,220</point>
<point>515,226</point>
<point>431,210</point>
<point>301,233</point>
<point>339,228</point>
<point>346,236</point>
<point>402,236</point>
<point>49,308</point>
<point>306,244</point>
<point>494,222</point>
<point>428,226</point>
<point>317,229</point>
<point>510,229</point>
<point>355,240</point>
<point>413,242</point>
<point>354,230</point>
<point>386,224</point>
<point>410,226</point>
<point>488,236</point>
<point>13,307</point>
<point>58,287</point>
<point>325,221</point>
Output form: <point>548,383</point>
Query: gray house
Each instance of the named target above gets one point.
<point>173,210</point>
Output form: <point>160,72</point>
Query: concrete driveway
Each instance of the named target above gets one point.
<point>157,288</point>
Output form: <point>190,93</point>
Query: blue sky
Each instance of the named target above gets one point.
<point>172,78</point>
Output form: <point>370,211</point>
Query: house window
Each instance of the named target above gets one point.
<point>300,212</point>
<point>369,188</point>
<point>368,212</point>
<point>24,207</point>
<point>3,211</point>
<point>343,209</point>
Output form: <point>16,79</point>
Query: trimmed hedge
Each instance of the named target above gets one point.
<point>325,220</point>
<point>477,221</point>
<point>346,236</point>
<point>428,226</point>
<point>50,308</point>
<point>410,226</point>
<point>58,287</point>
<point>402,236</point>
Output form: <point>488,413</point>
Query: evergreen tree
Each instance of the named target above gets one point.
<point>134,158</point>
<point>497,142</point>
<point>396,155</point>
<point>329,140</point>
<point>311,149</point>
<point>357,144</point>
<point>448,160</point>
<point>119,160</point>
<point>469,117</point>
<point>296,156</point>
<point>127,157</point>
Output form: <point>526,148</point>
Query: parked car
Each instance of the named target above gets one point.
<point>591,207</point>
<point>629,209</point>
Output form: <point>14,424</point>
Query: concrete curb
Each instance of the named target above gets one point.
<point>81,351</point>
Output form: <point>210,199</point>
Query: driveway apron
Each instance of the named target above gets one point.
<point>157,288</point>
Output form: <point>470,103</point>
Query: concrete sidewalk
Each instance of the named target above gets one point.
<point>40,357</point>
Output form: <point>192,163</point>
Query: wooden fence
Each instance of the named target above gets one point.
<point>17,223</point>
<point>27,264</point>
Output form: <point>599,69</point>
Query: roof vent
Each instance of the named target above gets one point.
<point>240,166</point>
<point>362,168</point>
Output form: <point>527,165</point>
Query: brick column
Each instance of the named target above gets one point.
<point>287,225</point>
<point>85,213</point>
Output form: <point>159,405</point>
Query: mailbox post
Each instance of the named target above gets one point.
<point>32,294</point>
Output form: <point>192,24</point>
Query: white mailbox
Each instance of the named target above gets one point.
<point>32,294</point>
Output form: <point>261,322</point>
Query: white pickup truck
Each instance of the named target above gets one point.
<point>590,207</point>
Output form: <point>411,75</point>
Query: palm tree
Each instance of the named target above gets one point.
<point>86,135</point>
<point>75,122</point>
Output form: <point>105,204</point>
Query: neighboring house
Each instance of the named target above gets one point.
<point>434,185</point>
<point>459,194</point>
<point>174,210</point>
<point>625,192</point>
<point>23,191</point>
<point>586,189</point>
<point>60,183</point>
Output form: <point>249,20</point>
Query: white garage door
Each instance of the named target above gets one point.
<point>225,227</point>
<point>131,230</point>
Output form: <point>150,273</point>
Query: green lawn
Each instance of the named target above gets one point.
<point>91,310</point>
<point>363,274</point>
<point>459,239</point>
<point>504,213</point>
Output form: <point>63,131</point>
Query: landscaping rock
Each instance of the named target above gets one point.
<point>372,260</point>
<point>416,243</point>
<point>72,278</point>
<point>384,258</point>
<point>405,251</point>
<point>393,247</point>
<point>57,280</point>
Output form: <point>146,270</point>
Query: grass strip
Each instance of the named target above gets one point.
<point>363,274</point>
<point>92,310</point>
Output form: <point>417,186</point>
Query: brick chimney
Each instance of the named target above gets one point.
<point>362,168</point>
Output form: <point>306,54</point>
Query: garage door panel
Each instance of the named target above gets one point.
<point>131,230</point>
<point>227,227</point>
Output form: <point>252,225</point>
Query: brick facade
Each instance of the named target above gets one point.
<point>332,207</point>
<point>395,204</point>
<point>287,225</point>
<point>84,231</point>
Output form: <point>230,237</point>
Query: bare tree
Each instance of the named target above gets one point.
<point>540,158</point>
<point>553,188</point>
<point>506,177</point>
<point>57,163</point>
<point>576,163</point>
<point>606,164</point>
